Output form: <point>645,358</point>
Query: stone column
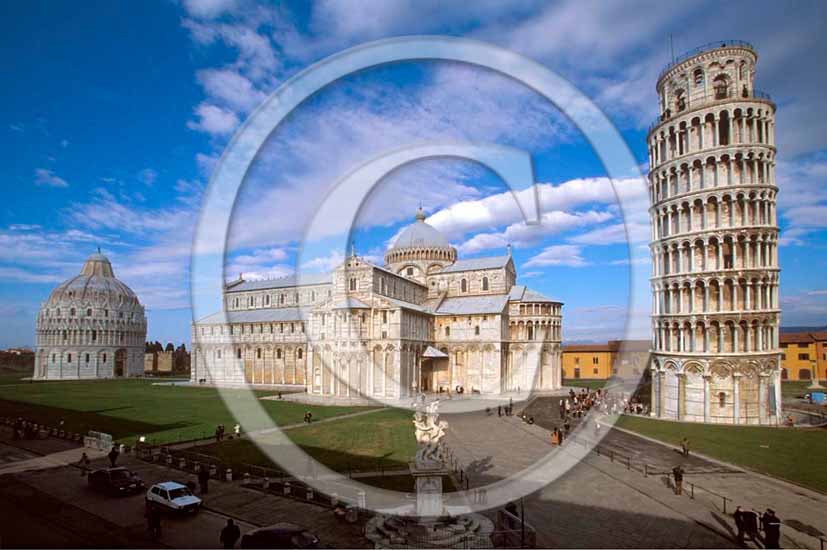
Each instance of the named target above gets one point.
<point>736,397</point>
<point>680,411</point>
<point>763,404</point>
<point>706,398</point>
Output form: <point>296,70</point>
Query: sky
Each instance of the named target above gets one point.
<point>114,115</point>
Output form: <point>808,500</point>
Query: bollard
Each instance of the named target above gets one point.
<point>246,479</point>
<point>229,474</point>
<point>334,499</point>
<point>196,467</point>
<point>266,483</point>
<point>309,494</point>
<point>122,448</point>
<point>361,501</point>
<point>169,460</point>
<point>182,463</point>
<point>213,470</point>
<point>286,487</point>
<point>691,490</point>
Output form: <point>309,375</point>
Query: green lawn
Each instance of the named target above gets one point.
<point>130,408</point>
<point>381,440</point>
<point>587,383</point>
<point>794,388</point>
<point>795,454</point>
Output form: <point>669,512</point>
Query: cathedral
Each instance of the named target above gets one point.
<point>426,321</point>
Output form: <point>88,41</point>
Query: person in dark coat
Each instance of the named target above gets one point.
<point>113,456</point>
<point>772,529</point>
<point>677,473</point>
<point>751,524</point>
<point>153,520</point>
<point>499,410</point>
<point>204,480</point>
<point>230,534</point>
<point>738,516</point>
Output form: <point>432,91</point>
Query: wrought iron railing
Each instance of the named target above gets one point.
<point>707,100</point>
<point>709,46</point>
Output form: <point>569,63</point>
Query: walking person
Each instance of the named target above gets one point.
<point>499,410</point>
<point>677,473</point>
<point>685,447</point>
<point>751,524</point>
<point>772,529</point>
<point>113,456</point>
<point>153,521</point>
<point>204,480</point>
<point>84,465</point>
<point>230,534</point>
<point>738,516</point>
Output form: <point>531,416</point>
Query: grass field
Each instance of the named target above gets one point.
<point>381,440</point>
<point>795,454</point>
<point>131,408</point>
<point>794,388</point>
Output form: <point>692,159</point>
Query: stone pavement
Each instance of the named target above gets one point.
<point>634,511</point>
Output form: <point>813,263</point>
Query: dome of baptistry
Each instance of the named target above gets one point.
<point>91,326</point>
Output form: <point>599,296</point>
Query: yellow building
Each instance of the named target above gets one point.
<point>804,352</point>
<point>601,361</point>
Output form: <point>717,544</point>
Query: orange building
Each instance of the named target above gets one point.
<point>804,352</point>
<point>601,361</point>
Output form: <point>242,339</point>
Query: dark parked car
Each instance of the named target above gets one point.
<point>280,535</point>
<point>116,481</point>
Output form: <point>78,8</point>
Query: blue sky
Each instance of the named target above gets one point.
<point>113,116</point>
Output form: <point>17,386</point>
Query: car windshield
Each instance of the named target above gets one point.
<point>303,540</point>
<point>120,474</point>
<point>178,493</point>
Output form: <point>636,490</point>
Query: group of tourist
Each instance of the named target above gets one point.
<point>747,523</point>
<point>220,430</point>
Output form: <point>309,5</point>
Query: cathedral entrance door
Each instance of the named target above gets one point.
<point>120,362</point>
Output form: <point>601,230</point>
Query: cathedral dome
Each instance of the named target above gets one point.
<point>95,284</point>
<point>420,242</point>
<point>420,235</point>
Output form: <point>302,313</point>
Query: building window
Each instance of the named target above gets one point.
<point>53,358</point>
<point>463,285</point>
<point>410,271</point>
<point>595,361</point>
<point>267,299</point>
<point>384,334</point>
<point>94,335</point>
<point>784,374</point>
<point>594,370</point>
<point>299,353</point>
<point>577,372</point>
<point>69,358</point>
<point>447,331</point>
<point>485,283</point>
<point>576,360</point>
<point>699,77</point>
<point>783,345</point>
<point>72,312</point>
<point>238,353</point>
<point>278,354</point>
<point>804,356</point>
<point>87,357</point>
<point>218,354</point>
<point>384,316</point>
<point>353,283</point>
<point>803,346</point>
<point>477,330</point>
<point>258,353</point>
<point>804,374</point>
<point>722,400</point>
<point>89,312</point>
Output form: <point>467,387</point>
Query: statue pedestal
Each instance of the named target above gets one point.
<point>428,490</point>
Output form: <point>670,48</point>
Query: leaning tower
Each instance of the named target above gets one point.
<point>712,191</point>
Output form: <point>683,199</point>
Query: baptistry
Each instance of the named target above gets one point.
<point>91,326</point>
<point>714,244</point>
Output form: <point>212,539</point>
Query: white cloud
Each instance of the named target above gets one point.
<point>325,263</point>
<point>19,275</point>
<point>213,120</point>
<point>148,176</point>
<point>230,88</point>
<point>558,255</point>
<point>209,9</point>
<point>47,178</point>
